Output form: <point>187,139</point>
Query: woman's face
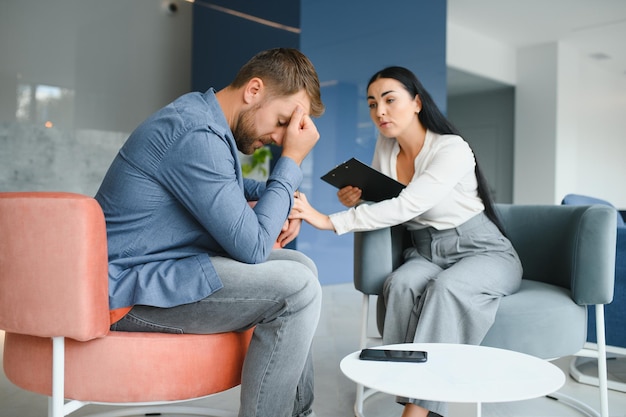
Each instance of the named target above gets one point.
<point>392,108</point>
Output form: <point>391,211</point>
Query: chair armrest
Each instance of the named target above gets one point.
<point>620,257</point>
<point>594,276</point>
<point>376,254</point>
<point>569,246</point>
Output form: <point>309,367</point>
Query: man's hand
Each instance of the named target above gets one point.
<point>301,136</point>
<point>290,230</point>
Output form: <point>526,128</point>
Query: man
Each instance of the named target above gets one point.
<point>187,253</point>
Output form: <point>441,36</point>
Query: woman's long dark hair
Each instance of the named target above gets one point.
<point>432,119</point>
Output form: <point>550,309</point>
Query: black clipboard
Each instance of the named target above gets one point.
<point>375,185</point>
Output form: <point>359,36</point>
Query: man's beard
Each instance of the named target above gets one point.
<point>244,133</point>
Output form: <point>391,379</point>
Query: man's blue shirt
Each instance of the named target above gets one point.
<point>175,195</point>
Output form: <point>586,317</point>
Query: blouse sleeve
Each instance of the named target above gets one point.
<point>447,164</point>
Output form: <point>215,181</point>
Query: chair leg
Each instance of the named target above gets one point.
<point>166,409</point>
<point>362,392</point>
<point>575,403</point>
<point>360,389</point>
<point>358,403</point>
<point>365,309</point>
<point>600,355</point>
<point>579,363</point>
<point>56,402</point>
<point>602,367</point>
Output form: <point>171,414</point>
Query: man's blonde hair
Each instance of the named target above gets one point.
<point>285,71</point>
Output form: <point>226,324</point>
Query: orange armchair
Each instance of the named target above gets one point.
<point>54,310</point>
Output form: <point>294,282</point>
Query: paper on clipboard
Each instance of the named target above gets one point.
<point>375,185</point>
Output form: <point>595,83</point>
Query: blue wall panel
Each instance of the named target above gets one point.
<point>226,34</point>
<point>348,42</point>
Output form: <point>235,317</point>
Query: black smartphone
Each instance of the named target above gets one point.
<point>393,355</point>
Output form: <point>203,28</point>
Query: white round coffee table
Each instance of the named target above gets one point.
<point>458,373</point>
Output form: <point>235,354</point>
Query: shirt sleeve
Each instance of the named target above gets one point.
<point>253,189</point>
<point>201,172</point>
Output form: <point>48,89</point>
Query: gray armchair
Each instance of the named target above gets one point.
<point>568,255</point>
<point>583,369</point>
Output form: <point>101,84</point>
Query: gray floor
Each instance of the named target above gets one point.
<point>336,337</point>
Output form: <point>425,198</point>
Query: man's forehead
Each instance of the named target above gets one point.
<point>289,103</point>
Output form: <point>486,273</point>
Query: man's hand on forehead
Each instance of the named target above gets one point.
<point>301,136</point>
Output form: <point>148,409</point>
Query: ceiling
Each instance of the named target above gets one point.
<point>597,28</point>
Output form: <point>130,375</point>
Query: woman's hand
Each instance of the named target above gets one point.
<point>303,210</point>
<point>349,196</point>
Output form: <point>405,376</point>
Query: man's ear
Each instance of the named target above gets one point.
<point>253,92</point>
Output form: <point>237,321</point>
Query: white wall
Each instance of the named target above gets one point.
<point>486,121</point>
<point>601,167</point>
<point>475,53</point>
<point>117,61</point>
<point>568,118</point>
<point>570,134</point>
<point>536,130</point>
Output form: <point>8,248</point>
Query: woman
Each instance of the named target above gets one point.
<point>460,264</point>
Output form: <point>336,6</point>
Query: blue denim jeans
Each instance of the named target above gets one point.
<point>282,298</point>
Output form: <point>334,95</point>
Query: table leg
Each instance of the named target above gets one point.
<point>464,409</point>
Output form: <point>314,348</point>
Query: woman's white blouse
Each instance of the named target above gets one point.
<point>442,193</point>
